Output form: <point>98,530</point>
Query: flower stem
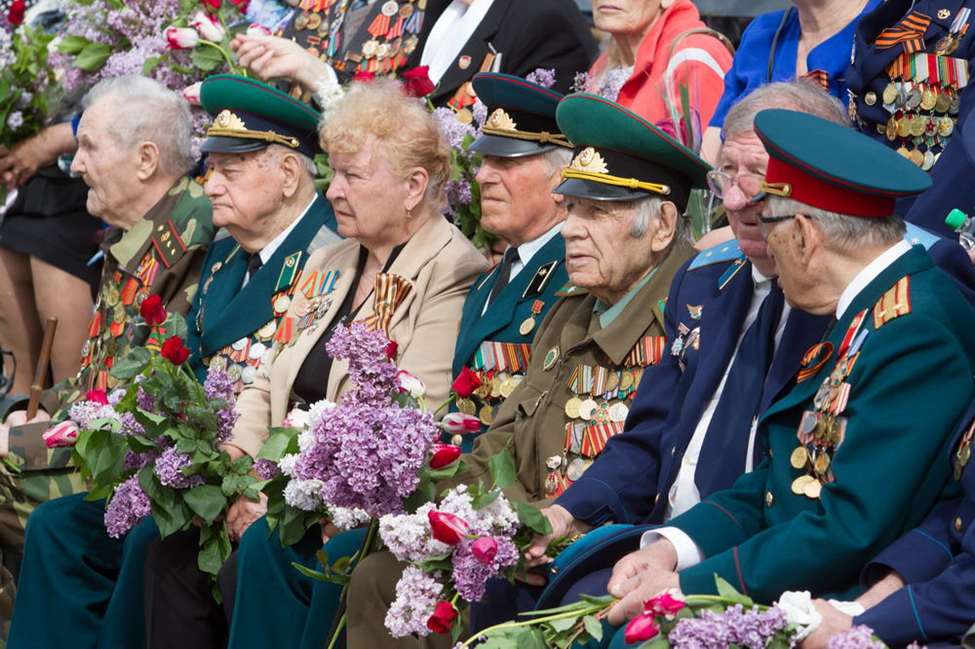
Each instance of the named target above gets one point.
<point>593,608</point>
<point>446,403</point>
<point>363,552</point>
<point>226,56</point>
<point>338,632</point>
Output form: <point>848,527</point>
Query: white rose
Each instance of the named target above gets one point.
<point>800,611</point>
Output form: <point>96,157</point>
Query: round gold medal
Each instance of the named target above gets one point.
<point>903,128</point>
<point>890,93</point>
<point>943,103</point>
<point>268,330</point>
<point>916,157</point>
<point>812,488</point>
<point>946,126</point>
<point>928,99</point>
<point>527,326</point>
<point>799,457</point>
<point>281,303</point>
<point>891,129</point>
<point>917,125</point>
<point>486,415</point>
<point>466,406</point>
<point>508,386</point>
<point>314,21</point>
<point>572,407</point>
<point>612,382</point>
<point>822,463</point>
<point>799,484</point>
<point>870,98</point>
<point>496,387</point>
<point>626,380</point>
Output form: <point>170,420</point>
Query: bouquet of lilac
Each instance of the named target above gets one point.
<point>155,447</point>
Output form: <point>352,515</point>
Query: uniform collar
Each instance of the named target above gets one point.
<point>870,273</point>
<point>528,249</point>
<point>607,314</point>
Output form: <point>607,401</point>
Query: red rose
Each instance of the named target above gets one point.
<point>16,13</point>
<point>364,76</point>
<point>174,351</point>
<point>240,4</point>
<point>443,616</point>
<point>642,627</point>
<point>211,4</point>
<point>417,81</point>
<point>153,311</point>
<point>484,549</point>
<point>465,383</point>
<point>97,396</point>
<point>391,348</point>
<point>444,454</point>
<point>447,528</point>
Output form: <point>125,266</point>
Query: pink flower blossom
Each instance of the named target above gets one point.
<point>457,423</point>
<point>182,38</point>
<point>257,30</point>
<point>444,455</point>
<point>642,627</point>
<point>192,93</point>
<point>484,549</point>
<point>208,25</point>
<point>665,604</point>
<point>447,528</point>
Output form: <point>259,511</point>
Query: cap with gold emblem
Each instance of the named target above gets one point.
<point>620,156</point>
<point>250,115</point>
<point>521,117</point>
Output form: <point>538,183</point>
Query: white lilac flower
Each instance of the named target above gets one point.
<point>416,598</point>
<point>304,494</point>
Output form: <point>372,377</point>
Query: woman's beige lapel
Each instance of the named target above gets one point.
<point>440,264</point>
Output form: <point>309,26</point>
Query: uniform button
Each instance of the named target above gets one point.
<point>769,498</point>
<point>958,524</point>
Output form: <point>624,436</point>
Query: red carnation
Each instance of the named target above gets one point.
<point>447,528</point>
<point>97,396</point>
<point>153,311</point>
<point>443,455</point>
<point>465,383</point>
<point>418,82</point>
<point>174,351</point>
<point>16,14</point>
<point>211,4</point>
<point>443,616</point>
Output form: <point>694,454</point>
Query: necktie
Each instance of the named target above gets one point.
<point>738,405</point>
<point>253,265</point>
<point>504,272</point>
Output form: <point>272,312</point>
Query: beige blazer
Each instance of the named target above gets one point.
<point>438,261</point>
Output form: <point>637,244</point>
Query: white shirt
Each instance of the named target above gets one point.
<point>268,251</point>
<point>449,35</point>
<point>688,553</point>
<point>526,251</point>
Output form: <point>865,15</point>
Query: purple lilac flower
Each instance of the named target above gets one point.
<point>416,597</point>
<point>543,77</point>
<point>128,507</point>
<point>858,637</point>
<point>266,469</point>
<point>580,82</point>
<point>471,576</point>
<point>218,386</point>
<point>84,413</point>
<point>135,461</point>
<point>751,629</point>
<point>458,192</point>
<point>372,372</point>
<point>15,120</point>
<point>168,468</point>
<point>480,112</point>
<point>453,130</point>
<point>130,426</point>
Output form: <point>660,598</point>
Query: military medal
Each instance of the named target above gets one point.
<point>551,358</point>
<point>799,484</point>
<point>528,325</point>
<point>267,331</point>
<point>964,452</point>
<point>486,415</point>
<point>247,374</point>
<point>281,303</point>
<point>799,458</point>
<point>466,406</point>
<point>812,488</point>
<point>572,407</point>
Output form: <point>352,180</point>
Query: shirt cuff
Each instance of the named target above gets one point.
<point>688,554</point>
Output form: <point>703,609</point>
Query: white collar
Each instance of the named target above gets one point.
<point>268,251</point>
<point>528,249</point>
<point>870,273</point>
<point>449,35</point>
<point>761,282</point>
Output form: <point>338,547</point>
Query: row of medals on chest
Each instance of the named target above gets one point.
<point>116,310</point>
<point>494,389</point>
<point>373,48</point>
<point>905,101</point>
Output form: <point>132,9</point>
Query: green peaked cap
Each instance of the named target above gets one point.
<point>619,155</point>
<point>265,111</point>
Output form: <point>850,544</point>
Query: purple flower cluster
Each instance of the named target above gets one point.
<point>369,368</point>
<point>128,507</point>
<point>169,469</point>
<point>858,637</point>
<point>751,629</point>
<point>218,386</point>
<point>453,130</point>
<point>471,576</point>
<point>416,597</point>
<point>266,469</point>
<point>458,192</point>
<point>543,77</point>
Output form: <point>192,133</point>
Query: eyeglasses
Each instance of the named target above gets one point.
<point>765,221</point>
<point>750,184</point>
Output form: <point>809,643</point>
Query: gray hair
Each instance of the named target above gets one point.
<point>558,159</point>
<point>801,96</point>
<point>844,231</point>
<point>307,163</point>
<point>649,208</point>
<point>145,110</point>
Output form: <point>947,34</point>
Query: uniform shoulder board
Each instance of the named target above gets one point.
<point>570,290</point>
<point>727,251</point>
<point>893,304</point>
<point>168,243</point>
<point>919,236</point>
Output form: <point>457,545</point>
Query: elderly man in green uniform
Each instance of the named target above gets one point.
<point>134,154</point>
<point>260,147</point>
<point>822,504</point>
<point>625,238</point>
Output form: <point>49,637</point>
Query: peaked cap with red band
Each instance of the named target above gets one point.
<point>822,164</point>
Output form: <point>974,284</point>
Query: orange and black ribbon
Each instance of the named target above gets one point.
<point>909,31</point>
<point>819,77</point>
<point>391,290</point>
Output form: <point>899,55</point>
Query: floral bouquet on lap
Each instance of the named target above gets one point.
<point>154,448</point>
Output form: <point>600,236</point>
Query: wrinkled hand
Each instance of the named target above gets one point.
<point>243,513</point>
<point>834,622</point>
<point>563,525</point>
<point>641,575</point>
<point>272,57</point>
<point>19,164</point>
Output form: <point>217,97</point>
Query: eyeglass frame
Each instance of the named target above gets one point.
<point>765,220</point>
<point>757,198</point>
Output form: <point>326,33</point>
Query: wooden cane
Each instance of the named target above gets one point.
<point>41,372</point>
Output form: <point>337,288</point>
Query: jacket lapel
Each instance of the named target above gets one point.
<point>477,47</point>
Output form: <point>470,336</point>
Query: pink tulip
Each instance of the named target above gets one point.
<point>182,38</point>
<point>63,435</point>
<point>208,25</point>
<point>457,423</point>
<point>257,30</point>
<point>447,528</point>
<point>664,604</point>
<point>642,627</point>
<point>192,93</point>
<point>484,549</point>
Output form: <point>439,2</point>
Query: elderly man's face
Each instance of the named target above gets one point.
<point>246,192</point>
<point>743,153</point>
<point>795,244</point>
<point>601,253</point>
<point>110,170</point>
<point>516,193</point>
<point>626,16</point>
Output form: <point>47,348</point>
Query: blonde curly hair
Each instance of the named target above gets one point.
<point>401,124</point>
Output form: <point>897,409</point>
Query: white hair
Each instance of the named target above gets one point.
<point>306,162</point>
<point>844,231</point>
<point>800,96</point>
<point>558,159</point>
<point>145,110</point>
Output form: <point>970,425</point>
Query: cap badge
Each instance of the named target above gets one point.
<point>502,121</point>
<point>228,121</point>
<point>589,161</point>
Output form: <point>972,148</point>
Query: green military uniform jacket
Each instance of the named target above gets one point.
<point>534,419</point>
<point>161,255</point>
<point>233,328</point>
<point>910,382</point>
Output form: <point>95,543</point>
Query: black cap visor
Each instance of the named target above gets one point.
<point>222,144</point>
<point>508,147</point>
<point>599,191</point>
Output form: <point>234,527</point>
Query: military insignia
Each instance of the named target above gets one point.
<point>729,274</point>
<point>893,304</point>
<point>528,325</point>
<point>569,291</point>
<point>501,121</point>
<point>464,62</point>
<point>289,271</point>
<point>695,311</point>
<point>589,161</point>
<point>944,14</point>
<point>722,252</point>
<point>551,358</point>
<point>168,244</point>
<point>814,358</point>
<point>542,275</point>
<point>964,453</point>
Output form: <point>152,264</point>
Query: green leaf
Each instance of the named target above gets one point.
<point>563,624</point>
<point>132,363</point>
<point>206,58</point>
<point>214,548</point>
<point>314,574</point>
<point>445,473</point>
<point>502,469</point>
<point>92,58</point>
<point>659,642</point>
<point>602,600</point>
<point>277,444</point>
<point>727,591</point>
<point>103,455</point>
<point>593,627</point>
<point>206,501</point>
<point>150,65</point>
<point>482,501</point>
<point>533,518</point>
<point>534,639</point>
<point>73,44</point>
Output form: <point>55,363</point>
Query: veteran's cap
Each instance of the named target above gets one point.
<point>250,115</point>
<point>832,167</point>
<point>620,156</point>
<point>521,116</point>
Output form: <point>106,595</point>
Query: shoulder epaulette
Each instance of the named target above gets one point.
<point>893,304</point>
<point>168,243</point>
<point>570,290</point>
<point>727,251</point>
<point>919,236</point>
